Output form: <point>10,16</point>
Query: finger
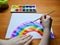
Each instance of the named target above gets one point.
<point>16,37</point>
<point>28,42</point>
<point>41,22</point>
<point>48,17</point>
<point>41,19</point>
<point>50,20</point>
<point>19,39</point>
<point>44,16</point>
<point>27,39</point>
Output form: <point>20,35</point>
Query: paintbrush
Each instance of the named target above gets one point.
<point>45,14</point>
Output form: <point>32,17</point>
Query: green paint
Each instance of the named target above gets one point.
<point>34,10</point>
<point>23,6</point>
<point>27,10</point>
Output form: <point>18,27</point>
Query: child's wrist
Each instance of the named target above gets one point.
<point>46,27</point>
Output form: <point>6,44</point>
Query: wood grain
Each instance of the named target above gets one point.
<point>43,6</point>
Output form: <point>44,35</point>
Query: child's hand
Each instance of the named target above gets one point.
<point>24,40</point>
<point>46,21</point>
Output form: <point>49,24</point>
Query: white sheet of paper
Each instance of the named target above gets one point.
<point>19,18</point>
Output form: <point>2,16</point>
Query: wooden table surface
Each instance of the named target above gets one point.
<point>43,6</point>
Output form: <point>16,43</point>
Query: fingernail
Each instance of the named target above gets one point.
<point>45,16</point>
<point>31,35</point>
<point>40,18</point>
<point>40,21</point>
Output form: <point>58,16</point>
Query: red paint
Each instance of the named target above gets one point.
<point>20,7</point>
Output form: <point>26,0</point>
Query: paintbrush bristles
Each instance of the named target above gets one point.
<point>36,19</point>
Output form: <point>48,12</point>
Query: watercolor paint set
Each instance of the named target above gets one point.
<point>23,9</point>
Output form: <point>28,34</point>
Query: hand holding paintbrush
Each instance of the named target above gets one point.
<point>45,14</point>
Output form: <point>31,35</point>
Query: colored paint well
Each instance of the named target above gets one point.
<point>27,10</point>
<point>21,10</point>
<point>34,10</point>
<point>20,6</point>
<point>33,6</point>
<point>15,6</point>
<point>23,6</point>
<point>16,10</point>
<point>27,6</point>
<point>30,6</point>
<point>24,10</point>
<point>30,10</point>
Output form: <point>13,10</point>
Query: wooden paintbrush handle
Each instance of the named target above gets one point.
<point>45,14</point>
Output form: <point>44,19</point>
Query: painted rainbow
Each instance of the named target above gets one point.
<point>28,27</point>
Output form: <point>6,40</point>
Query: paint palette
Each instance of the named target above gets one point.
<point>29,28</point>
<point>23,8</point>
